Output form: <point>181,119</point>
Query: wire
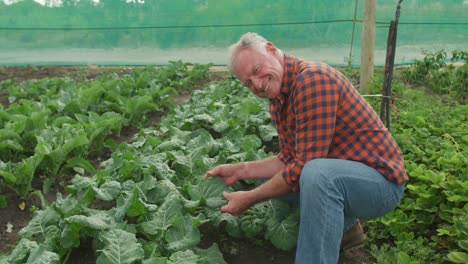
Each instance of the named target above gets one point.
<point>428,23</point>
<point>226,25</point>
<point>186,26</point>
<point>376,95</point>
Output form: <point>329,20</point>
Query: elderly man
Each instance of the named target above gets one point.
<point>335,153</point>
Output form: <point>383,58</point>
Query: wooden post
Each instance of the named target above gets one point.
<point>389,63</point>
<point>367,46</point>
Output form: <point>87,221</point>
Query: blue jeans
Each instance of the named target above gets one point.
<point>334,194</point>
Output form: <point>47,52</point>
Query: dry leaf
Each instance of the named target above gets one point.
<point>9,227</point>
<point>22,206</point>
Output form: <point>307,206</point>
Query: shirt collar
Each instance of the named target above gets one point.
<point>290,67</point>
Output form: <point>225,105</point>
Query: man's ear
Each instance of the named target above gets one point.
<point>271,48</point>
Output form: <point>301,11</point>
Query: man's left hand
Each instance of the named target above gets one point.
<point>238,202</point>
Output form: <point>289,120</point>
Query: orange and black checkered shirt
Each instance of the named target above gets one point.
<point>319,114</point>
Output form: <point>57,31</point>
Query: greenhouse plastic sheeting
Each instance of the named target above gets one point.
<point>138,32</point>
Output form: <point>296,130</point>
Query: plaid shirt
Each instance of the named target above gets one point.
<point>319,114</point>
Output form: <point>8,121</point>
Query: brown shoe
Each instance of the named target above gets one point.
<point>353,237</point>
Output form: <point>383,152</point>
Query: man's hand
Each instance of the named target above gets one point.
<point>230,173</point>
<point>238,202</point>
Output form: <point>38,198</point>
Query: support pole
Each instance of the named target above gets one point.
<point>367,48</point>
<point>388,74</point>
<point>350,61</point>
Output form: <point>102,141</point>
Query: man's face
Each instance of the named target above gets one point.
<point>261,72</point>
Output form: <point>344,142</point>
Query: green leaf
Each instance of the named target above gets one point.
<point>100,126</point>
<point>70,236</point>
<point>40,255</point>
<point>24,173</point>
<point>183,257</point>
<point>173,143</point>
<point>178,138</point>
<point>458,257</point>
<point>60,121</point>
<point>156,260</point>
<point>22,250</point>
<point>38,118</point>
<point>108,191</point>
<point>43,147</point>
<point>164,217</point>
<point>204,117</point>
<point>284,234</point>
<point>8,176</point>
<point>249,107</point>
<point>184,234</point>
<point>220,125</point>
<point>38,225</point>
<point>137,207</point>
<point>156,191</point>
<point>72,107</point>
<point>73,143</point>
<point>140,105</point>
<point>52,238</point>
<point>249,142</point>
<point>124,202</point>
<point>212,255</point>
<point>17,123</point>
<point>228,146</point>
<point>78,162</point>
<point>465,139</point>
<point>193,163</point>
<point>251,225</point>
<point>210,190</point>
<point>119,247</point>
<point>267,132</point>
<point>6,134</point>
<point>10,144</point>
<point>96,221</point>
<point>274,211</point>
<point>80,184</point>
<point>463,244</point>
<point>68,206</point>
<point>232,223</point>
<point>403,258</point>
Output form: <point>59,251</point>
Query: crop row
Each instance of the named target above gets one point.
<point>52,125</point>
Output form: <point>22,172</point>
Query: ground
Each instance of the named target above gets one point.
<point>18,212</point>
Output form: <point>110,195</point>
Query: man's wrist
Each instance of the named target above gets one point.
<point>243,170</point>
<point>255,196</point>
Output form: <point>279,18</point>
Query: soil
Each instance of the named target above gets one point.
<point>19,211</point>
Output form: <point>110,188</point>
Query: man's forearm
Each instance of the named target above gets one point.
<point>262,169</point>
<point>274,187</point>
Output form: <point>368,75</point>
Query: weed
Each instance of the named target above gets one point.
<point>440,76</point>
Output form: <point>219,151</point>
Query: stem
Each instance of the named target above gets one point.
<point>41,197</point>
<point>65,260</point>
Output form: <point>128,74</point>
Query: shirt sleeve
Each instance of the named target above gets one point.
<point>314,107</point>
<point>285,154</point>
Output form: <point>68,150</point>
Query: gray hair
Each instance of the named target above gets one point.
<point>248,40</point>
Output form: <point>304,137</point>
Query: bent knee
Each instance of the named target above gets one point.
<point>315,172</point>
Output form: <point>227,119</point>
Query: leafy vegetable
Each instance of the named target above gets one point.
<point>120,246</point>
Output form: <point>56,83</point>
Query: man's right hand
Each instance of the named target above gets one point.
<point>229,173</point>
